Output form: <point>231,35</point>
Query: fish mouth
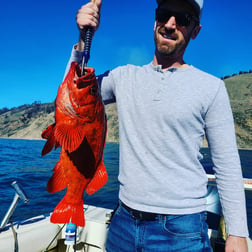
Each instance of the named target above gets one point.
<point>85,80</point>
<point>80,84</point>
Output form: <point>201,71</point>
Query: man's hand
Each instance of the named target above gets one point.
<point>88,15</point>
<point>236,244</point>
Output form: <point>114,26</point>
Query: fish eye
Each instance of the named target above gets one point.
<point>93,90</point>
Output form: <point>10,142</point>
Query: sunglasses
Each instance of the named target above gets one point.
<point>182,19</point>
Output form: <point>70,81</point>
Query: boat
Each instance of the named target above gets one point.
<point>38,234</point>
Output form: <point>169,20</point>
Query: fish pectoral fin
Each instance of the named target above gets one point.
<point>69,137</point>
<point>100,178</point>
<point>48,131</point>
<point>48,134</point>
<point>57,182</point>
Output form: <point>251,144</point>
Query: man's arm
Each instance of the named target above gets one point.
<point>87,15</point>
<point>221,138</point>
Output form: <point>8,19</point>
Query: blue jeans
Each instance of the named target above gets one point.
<point>180,233</point>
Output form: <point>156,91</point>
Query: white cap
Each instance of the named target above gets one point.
<point>197,5</point>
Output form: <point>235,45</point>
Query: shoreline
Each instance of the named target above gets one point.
<point>20,138</point>
<point>32,139</point>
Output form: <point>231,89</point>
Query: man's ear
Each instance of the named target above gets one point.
<point>155,23</point>
<point>196,31</point>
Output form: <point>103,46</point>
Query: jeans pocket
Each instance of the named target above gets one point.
<point>189,225</point>
<point>116,211</point>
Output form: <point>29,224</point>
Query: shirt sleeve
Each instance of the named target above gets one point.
<point>221,138</point>
<point>76,56</point>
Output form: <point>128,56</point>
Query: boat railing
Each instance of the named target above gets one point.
<point>19,194</point>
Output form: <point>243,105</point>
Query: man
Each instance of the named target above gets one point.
<point>165,108</point>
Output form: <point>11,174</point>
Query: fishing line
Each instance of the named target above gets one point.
<point>46,250</point>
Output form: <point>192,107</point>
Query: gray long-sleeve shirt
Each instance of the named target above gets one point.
<point>163,117</point>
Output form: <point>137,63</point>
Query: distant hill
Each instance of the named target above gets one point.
<point>240,92</point>
<point>28,121</point>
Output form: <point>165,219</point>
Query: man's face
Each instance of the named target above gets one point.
<point>175,24</point>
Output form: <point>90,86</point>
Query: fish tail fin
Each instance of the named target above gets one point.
<point>65,213</point>
<point>100,178</point>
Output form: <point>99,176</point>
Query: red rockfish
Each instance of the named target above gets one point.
<point>80,131</point>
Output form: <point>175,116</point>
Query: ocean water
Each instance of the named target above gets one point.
<point>21,161</point>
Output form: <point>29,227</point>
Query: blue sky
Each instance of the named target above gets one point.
<point>37,37</point>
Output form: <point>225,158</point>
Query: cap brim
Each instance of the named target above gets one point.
<point>192,2</point>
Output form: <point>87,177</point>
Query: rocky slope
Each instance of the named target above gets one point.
<point>28,121</point>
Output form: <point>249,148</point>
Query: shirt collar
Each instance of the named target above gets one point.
<point>158,68</point>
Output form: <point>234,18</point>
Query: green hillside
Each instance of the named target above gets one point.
<point>240,92</point>
<point>28,121</point>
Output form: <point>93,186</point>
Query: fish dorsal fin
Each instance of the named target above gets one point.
<point>69,137</point>
<point>100,178</point>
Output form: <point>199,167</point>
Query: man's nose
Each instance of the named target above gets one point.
<point>171,23</point>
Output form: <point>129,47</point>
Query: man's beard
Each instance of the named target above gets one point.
<point>165,50</point>
<point>168,50</point>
